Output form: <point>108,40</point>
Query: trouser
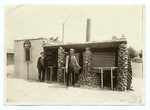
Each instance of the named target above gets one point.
<point>41,74</point>
<point>71,76</point>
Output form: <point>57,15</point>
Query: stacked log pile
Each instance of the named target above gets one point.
<point>122,69</point>
<point>129,76</point>
<point>88,77</point>
<point>95,79</point>
<point>61,63</point>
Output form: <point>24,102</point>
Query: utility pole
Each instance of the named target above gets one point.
<point>63,25</point>
<point>88,30</point>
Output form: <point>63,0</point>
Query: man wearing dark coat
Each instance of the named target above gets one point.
<point>41,65</point>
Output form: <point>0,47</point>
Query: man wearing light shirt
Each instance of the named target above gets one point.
<point>71,65</point>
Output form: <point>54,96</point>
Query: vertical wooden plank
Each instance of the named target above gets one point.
<point>101,77</point>
<point>46,74</point>
<point>64,76</point>
<point>111,78</point>
<point>51,72</point>
<point>28,76</point>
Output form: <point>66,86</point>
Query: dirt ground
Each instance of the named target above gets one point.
<point>19,91</point>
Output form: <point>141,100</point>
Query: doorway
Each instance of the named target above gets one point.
<point>51,70</point>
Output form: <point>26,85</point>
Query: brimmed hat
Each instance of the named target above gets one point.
<point>42,52</point>
<point>72,49</point>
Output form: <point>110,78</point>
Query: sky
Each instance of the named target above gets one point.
<point>34,21</point>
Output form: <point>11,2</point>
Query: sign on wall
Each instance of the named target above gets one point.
<point>27,44</point>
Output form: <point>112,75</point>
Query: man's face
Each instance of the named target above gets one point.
<point>71,51</point>
<point>87,48</point>
<point>42,54</point>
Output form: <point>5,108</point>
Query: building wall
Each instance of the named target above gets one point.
<point>137,60</point>
<point>20,65</point>
<point>104,59</point>
<point>10,58</point>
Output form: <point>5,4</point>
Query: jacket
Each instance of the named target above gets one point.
<point>39,65</point>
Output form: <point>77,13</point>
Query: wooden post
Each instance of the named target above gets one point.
<point>64,76</point>
<point>112,78</point>
<point>101,77</point>
<point>51,73</point>
<point>27,70</point>
<point>46,75</point>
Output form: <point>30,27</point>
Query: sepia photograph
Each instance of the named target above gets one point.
<point>71,54</point>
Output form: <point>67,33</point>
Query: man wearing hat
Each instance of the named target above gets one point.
<point>71,66</point>
<point>41,65</point>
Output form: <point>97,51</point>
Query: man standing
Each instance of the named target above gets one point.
<point>71,66</point>
<point>41,65</point>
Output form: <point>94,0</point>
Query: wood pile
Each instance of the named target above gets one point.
<point>61,63</point>
<point>122,69</point>
<point>129,76</point>
<point>88,77</point>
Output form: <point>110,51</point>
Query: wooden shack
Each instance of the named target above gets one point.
<point>108,66</point>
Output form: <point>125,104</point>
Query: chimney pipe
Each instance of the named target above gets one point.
<point>88,30</point>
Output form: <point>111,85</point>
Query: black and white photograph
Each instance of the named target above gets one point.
<point>72,54</point>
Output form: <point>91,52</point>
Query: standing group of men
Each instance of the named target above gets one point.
<point>71,66</point>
